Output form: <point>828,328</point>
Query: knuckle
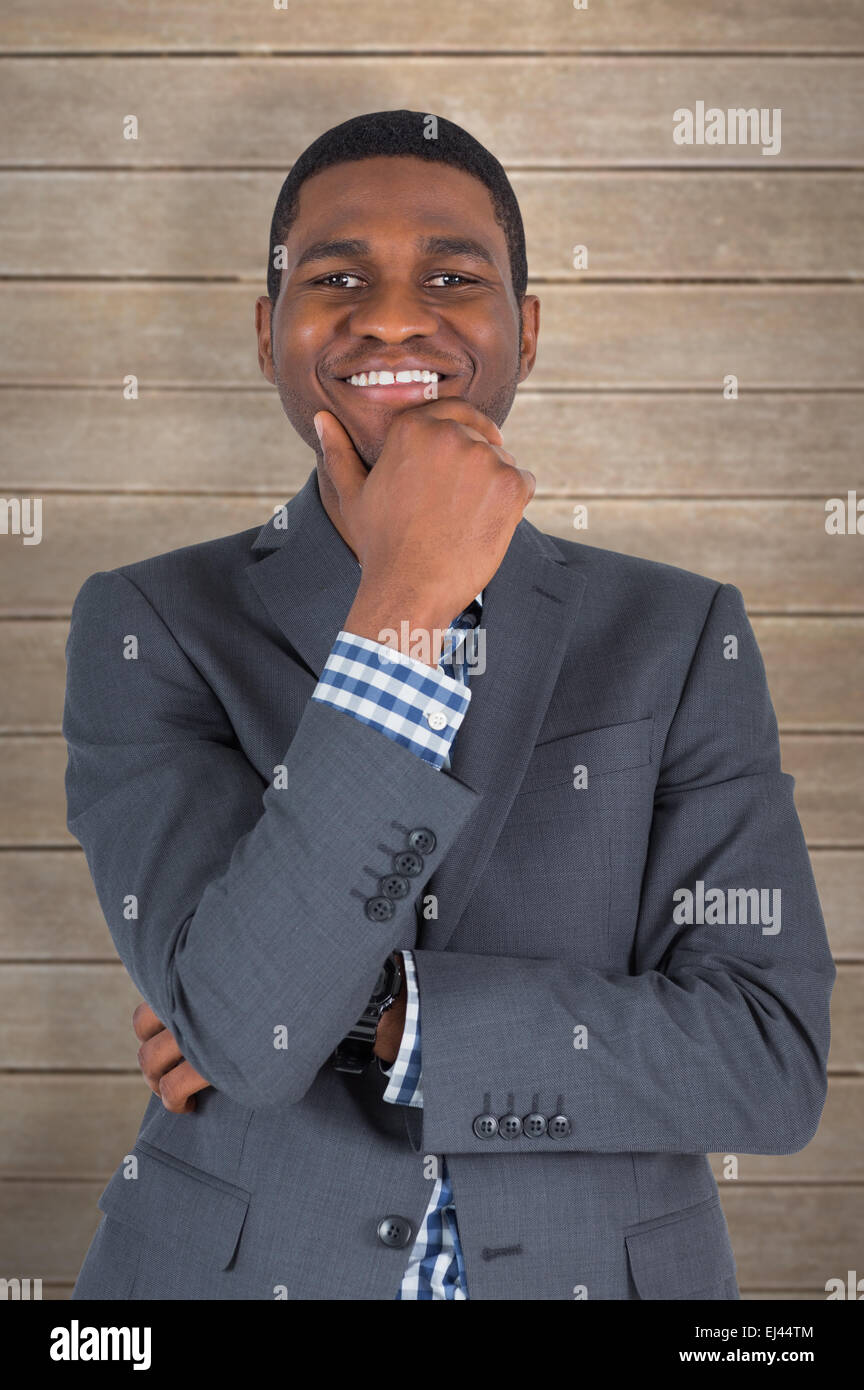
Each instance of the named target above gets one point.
<point>511,479</point>
<point>169,1094</point>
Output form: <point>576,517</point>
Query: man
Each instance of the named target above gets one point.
<point>459,955</point>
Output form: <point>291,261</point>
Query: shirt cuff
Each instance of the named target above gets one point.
<point>405,1074</point>
<point>412,703</point>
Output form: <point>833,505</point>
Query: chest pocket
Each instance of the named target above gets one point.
<point>550,886</point>
<point>614,748</point>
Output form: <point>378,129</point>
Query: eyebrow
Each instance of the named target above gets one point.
<point>430,246</point>
<point>456,246</point>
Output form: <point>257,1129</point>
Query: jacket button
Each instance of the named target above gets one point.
<point>559,1127</point>
<point>534,1125</point>
<point>379,909</point>
<point>408,863</point>
<point>509,1126</point>
<point>394,886</point>
<point>422,840</point>
<point>394,1231</point>
<point>485,1126</point>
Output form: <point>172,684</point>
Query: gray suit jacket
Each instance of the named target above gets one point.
<point>556,977</point>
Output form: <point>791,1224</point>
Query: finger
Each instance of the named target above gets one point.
<point>145,1022</point>
<point>158,1055</point>
<point>455,408</point>
<point>178,1086</point>
<point>340,460</point>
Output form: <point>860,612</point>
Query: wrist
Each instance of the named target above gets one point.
<point>414,627</point>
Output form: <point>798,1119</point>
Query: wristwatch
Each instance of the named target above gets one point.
<point>355,1051</point>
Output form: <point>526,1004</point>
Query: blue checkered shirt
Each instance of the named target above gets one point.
<point>405,699</point>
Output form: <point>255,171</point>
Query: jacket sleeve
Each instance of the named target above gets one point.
<point>237,904</point>
<point>717,1040</point>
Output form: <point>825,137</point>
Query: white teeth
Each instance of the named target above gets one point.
<point>389,379</point>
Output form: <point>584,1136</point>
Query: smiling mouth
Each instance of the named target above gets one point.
<point>385,378</point>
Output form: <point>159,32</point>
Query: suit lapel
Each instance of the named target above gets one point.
<point>529,610</point>
<point>308,582</point>
<point>309,579</point>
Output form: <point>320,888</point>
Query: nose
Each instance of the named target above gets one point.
<point>393,313</point>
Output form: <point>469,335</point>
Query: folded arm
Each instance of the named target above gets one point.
<point>237,904</point>
<point>718,1039</point>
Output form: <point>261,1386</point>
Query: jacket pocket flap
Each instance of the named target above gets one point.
<point>675,1257</point>
<point>610,749</point>
<point>173,1202</point>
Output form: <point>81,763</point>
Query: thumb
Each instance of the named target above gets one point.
<point>340,460</point>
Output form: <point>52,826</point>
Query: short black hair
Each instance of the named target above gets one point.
<point>403,133</point>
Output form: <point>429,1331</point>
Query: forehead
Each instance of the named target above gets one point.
<point>392,196</point>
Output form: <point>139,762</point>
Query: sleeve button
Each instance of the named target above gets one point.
<point>422,840</point>
<point>379,909</point>
<point>408,863</point>
<point>510,1126</point>
<point>394,886</point>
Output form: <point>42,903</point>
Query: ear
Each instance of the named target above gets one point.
<point>530,334</point>
<point>263,313</point>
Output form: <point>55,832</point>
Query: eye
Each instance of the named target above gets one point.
<point>453,275</point>
<point>339,275</point>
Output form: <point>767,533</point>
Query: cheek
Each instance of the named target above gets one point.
<point>494,344</point>
<point>300,338</point>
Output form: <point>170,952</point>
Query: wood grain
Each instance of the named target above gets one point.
<point>483,26</point>
<point>776,552</point>
<point>570,111</point>
<point>145,257</point>
<point>579,444</point>
<point>684,337</point>
<point>737,224</point>
<point>794,1237</point>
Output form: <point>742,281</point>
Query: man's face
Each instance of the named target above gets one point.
<point>394,264</point>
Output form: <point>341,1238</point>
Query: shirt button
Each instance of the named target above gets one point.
<point>394,1231</point>
<point>435,718</point>
<point>485,1126</point>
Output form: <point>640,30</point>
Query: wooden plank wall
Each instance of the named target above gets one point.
<point>145,257</point>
